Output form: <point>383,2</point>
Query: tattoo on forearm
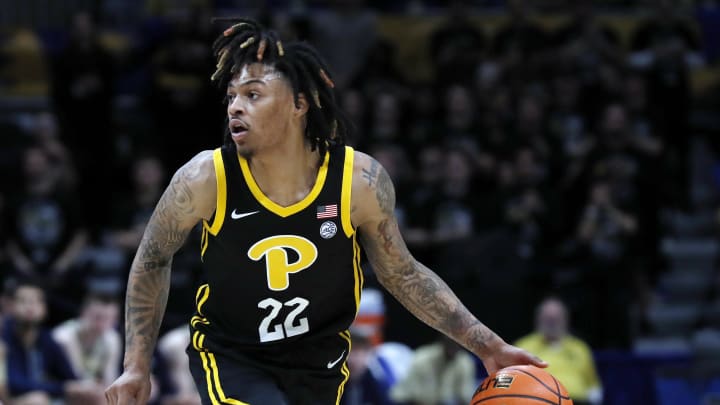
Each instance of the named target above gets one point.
<point>418,288</point>
<point>149,280</point>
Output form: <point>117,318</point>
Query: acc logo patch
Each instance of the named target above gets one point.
<point>328,229</point>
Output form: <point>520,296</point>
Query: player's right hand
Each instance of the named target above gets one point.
<point>131,388</point>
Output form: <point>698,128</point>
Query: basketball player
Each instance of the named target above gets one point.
<point>284,206</point>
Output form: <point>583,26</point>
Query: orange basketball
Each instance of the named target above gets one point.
<point>521,385</point>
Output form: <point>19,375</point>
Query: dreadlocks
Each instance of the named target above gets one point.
<point>247,42</point>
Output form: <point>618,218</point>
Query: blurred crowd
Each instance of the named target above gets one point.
<point>531,161</point>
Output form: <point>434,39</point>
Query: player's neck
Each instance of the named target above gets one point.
<point>287,173</point>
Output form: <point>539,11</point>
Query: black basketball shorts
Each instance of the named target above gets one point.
<point>309,373</point>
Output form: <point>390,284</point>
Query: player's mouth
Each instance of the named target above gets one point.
<point>238,128</point>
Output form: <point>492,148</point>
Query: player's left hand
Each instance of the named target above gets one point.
<point>508,355</point>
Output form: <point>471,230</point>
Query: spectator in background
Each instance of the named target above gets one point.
<point>38,369</point>
<point>454,216</point>
<point>379,69</point>
<point>354,104</point>
<point>368,383</point>
<point>375,366</point>
<point>171,347</point>
<point>46,135</point>
<point>131,213</point>
<point>605,233</point>
<point>456,46</point>
<point>591,49</point>
<point>180,89</point>
<point>570,358</point>
<point>440,374</point>
<point>83,97</point>
<point>519,42</point>
<point>526,209</point>
<point>423,198</point>
<point>665,47</point>
<point>387,117</point>
<point>346,22</point>
<point>46,233</point>
<point>531,125</point>
<point>91,343</point>
<point>4,397</point>
<point>460,114</point>
<point>422,123</point>
<point>568,128</point>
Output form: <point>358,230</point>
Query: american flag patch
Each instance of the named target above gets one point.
<point>327,211</point>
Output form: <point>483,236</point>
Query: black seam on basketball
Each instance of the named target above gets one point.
<point>548,388</point>
<point>538,380</point>
<point>547,401</point>
<point>557,385</point>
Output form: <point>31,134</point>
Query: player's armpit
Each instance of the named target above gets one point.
<point>189,197</point>
<point>418,288</point>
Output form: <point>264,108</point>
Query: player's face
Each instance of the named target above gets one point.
<point>261,109</point>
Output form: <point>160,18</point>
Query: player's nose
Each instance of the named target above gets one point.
<point>235,107</point>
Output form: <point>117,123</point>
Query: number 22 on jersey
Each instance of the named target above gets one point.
<point>274,250</point>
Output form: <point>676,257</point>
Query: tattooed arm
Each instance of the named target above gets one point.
<point>189,198</point>
<point>417,287</point>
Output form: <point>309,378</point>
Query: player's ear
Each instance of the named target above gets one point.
<point>301,105</point>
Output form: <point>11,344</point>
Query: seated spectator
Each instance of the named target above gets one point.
<point>570,359</point>
<point>454,216</point>
<point>456,46</point>
<point>3,368</point>
<point>370,319</point>
<point>46,234</point>
<point>441,374</point>
<point>375,367</point>
<point>131,214</point>
<point>366,385</point>
<point>519,41</point>
<point>38,370</point>
<point>91,342</point>
<point>172,347</point>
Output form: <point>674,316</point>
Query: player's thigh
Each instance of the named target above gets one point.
<point>220,380</point>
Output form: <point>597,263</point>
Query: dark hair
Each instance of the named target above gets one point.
<point>101,297</point>
<point>246,41</point>
<point>12,285</point>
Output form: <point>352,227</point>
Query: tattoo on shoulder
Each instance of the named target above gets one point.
<point>385,192</point>
<point>371,174</point>
<point>378,179</point>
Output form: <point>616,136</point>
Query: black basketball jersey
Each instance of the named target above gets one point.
<point>276,275</point>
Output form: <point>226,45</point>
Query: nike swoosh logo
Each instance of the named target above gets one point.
<point>235,215</point>
<point>332,364</point>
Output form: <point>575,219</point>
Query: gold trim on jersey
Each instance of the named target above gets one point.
<point>212,376</point>
<point>357,273</point>
<point>198,341</point>
<point>344,369</point>
<point>221,197</point>
<point>346,194</point>
<point>204,239</point>
<point>201,296</point>
<point>271,205</point>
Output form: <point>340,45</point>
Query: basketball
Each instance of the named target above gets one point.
<point>521,385</point>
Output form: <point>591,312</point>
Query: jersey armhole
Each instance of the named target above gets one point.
<point>219,216</point>
<point>346,193</point>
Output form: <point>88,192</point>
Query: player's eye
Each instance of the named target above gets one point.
<point>229,98</point>
<point>253,95</point>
